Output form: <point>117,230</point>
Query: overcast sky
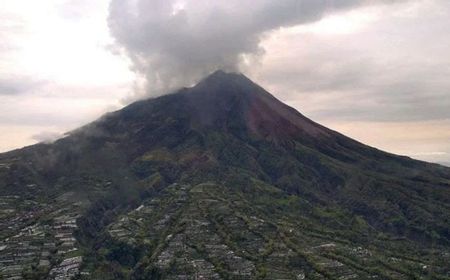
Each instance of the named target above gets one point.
<point>376,71</point>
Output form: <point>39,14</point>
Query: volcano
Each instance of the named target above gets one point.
<point>219,181</point>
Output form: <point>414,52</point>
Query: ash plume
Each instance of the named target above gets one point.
<point>173,43</point>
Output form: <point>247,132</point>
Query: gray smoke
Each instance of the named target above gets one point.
<point>173,43</point>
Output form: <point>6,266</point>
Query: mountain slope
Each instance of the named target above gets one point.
<point>222,180</point>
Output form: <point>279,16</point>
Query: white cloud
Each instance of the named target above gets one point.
<point>56,72</point>
<point>46,136</point>
<point>394,68</point>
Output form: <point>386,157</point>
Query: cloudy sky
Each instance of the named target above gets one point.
<point>374,70</point>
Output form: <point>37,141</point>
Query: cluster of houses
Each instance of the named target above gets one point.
<point>140,220</point>
<point>16,213</point>
<point>67,269</point>
<point>22,241</point>
<point>179,257</point>
<point>64,227</point>
<point>25,249</point>
<point>37,240</point>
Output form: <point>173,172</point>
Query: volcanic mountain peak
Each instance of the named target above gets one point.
<point>221,76</point>
<point>220,181</point>
<point>223,96</point>
<point>228,83</point>
<point>230,102</point>
<point>227,86</point>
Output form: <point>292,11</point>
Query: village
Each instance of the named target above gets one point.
<point>37,240</point>
<point>211,250</point>
<point>190,233</point>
